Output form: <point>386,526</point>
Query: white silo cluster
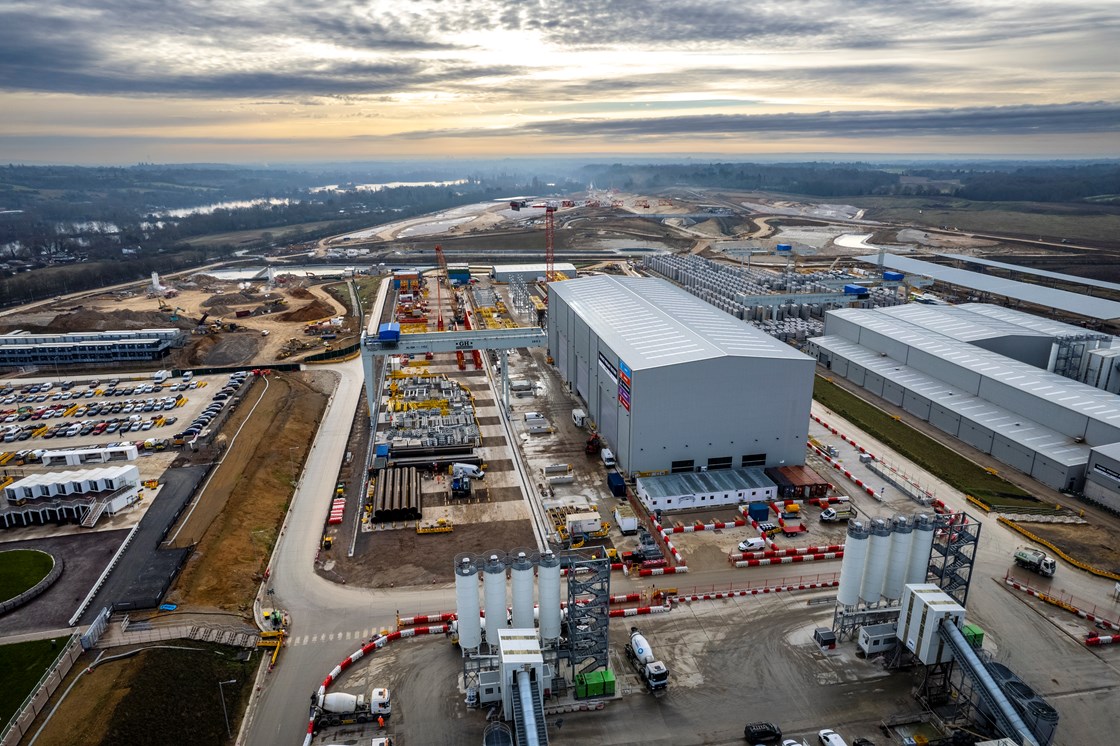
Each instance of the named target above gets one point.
<point>522,568</point>
<point>883,557</point>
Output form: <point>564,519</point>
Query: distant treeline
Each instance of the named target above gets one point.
<point>982,182</point>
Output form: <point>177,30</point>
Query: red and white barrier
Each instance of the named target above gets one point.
<point>1095,639</point>
<point>735,556</point>
<point>1105,623</point>
<point>663,571</point>
<point>640,611</point>
<point>789,560</point>
<point>718,595</point>
<point>378,642</point>
<point>714,526</point>
<point>408,621</point>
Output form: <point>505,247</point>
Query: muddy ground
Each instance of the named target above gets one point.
<point>1083,541</point>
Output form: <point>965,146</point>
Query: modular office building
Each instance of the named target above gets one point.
<point>674,384</point>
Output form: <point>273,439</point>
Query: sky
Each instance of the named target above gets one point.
<point>254,81</point>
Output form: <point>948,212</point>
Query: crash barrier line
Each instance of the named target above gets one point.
<point>1055,601</point>
<point>979,503</point>
<point>715,526</point>
<point>640,611</point>
<point>1095,639</point>
<point>789,560</point>
<point>733,556</point>
<point>374,644</point>
<point>718,595</point>
<point>1075,562</point>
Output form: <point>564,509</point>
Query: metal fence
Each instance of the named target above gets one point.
<point>21,722</point>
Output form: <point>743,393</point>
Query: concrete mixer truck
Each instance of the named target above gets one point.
<point>654,673</point>
<point>340,708</point>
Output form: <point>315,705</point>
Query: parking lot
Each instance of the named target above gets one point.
<point>65,414</point>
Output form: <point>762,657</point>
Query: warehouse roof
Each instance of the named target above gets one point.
<point>1071,279</point>
<point>1015,427</point>
<point>707,482</point>
<point>650,322</point>
<point>958,323</point>
<point>1030,321</point>
<point>1072,395</point>
<point>1062,300</point>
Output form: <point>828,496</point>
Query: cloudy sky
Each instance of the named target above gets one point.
<point>121,81</point>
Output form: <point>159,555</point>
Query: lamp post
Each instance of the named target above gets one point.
<point>225,713</point>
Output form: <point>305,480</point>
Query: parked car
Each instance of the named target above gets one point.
<point>761,732</point>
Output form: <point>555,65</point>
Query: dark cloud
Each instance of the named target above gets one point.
<point>1059,119</point>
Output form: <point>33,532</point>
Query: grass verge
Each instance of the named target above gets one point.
<point>157,691</point>
<point>21,569</point>
<point>21,667</point>
<point>927,453</point>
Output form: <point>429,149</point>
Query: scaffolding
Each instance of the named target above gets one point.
<point>954,554</point>
<point>589,592</point>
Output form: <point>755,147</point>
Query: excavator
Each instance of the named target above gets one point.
<point>594,445</point>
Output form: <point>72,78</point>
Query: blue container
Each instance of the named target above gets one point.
<point>893,276</point>
<point>855,290</point>
<point>381,450</point>
<point>389,332</point>
<point>617,484</point>
<point>758,511</point>
<point>784,247</point>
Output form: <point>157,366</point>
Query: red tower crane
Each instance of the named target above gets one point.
<point>441,267</point>
<point>549,236</point>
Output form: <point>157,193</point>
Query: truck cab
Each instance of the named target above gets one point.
<point>838,513</point>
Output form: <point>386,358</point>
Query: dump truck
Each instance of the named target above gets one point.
<point>1036,560</point>
<point>340,708</point>
<point>842,512</point>
<point>654,673</point>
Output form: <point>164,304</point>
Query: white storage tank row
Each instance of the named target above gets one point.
<point>521,565</point>
<point>883,556</point>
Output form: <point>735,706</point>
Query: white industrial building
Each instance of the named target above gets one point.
<point>83,482</point>
<point>1102,476</point>
<point>973,383</point>
<point>91,455</point>
<point>674,384</point>
<point>709,489</point>
<point>21,348</point>
<point>529,272</point>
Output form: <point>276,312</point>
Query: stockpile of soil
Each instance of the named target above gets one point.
<point>100,321</point>
<point>227,348</point>
<point>220,311</point>
<point>301,293</point>
<point>229,299</point>
<point>313,311</point>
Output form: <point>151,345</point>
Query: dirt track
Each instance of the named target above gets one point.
<point>243,505</point>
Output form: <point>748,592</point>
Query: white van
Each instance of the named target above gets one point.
<point>829,737</point>
<point>608,457</point>
<point>467,470</point>
<point>755,544</point>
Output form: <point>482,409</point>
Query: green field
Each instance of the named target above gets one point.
<point>1077,221</point>
<point>276,234</point>
<point>935,458</point>
<point>21,667</point>
<point>21,569</point>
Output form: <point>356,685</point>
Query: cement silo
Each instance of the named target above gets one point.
<point>875,569</point>
<point>920,549</point>
<point>851,567</point>
<point>466,602</point>
<point>521,571</point>
<point>898,564</point>
<point>548,582</point>
<point>494,589</point>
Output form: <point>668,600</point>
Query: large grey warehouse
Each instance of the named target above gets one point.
<point>674,384</point>
<point>999,381</point>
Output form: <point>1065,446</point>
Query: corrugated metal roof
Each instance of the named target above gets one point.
<point>959,323</point>
<point>1062,300</point>
<point>707,482</point>
<point>1075,396</point>
<point>1015,427</point>
<point>1030,321</point>
<point>1072,279</point>
<point>650,322</point>
<point>541,268</point>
